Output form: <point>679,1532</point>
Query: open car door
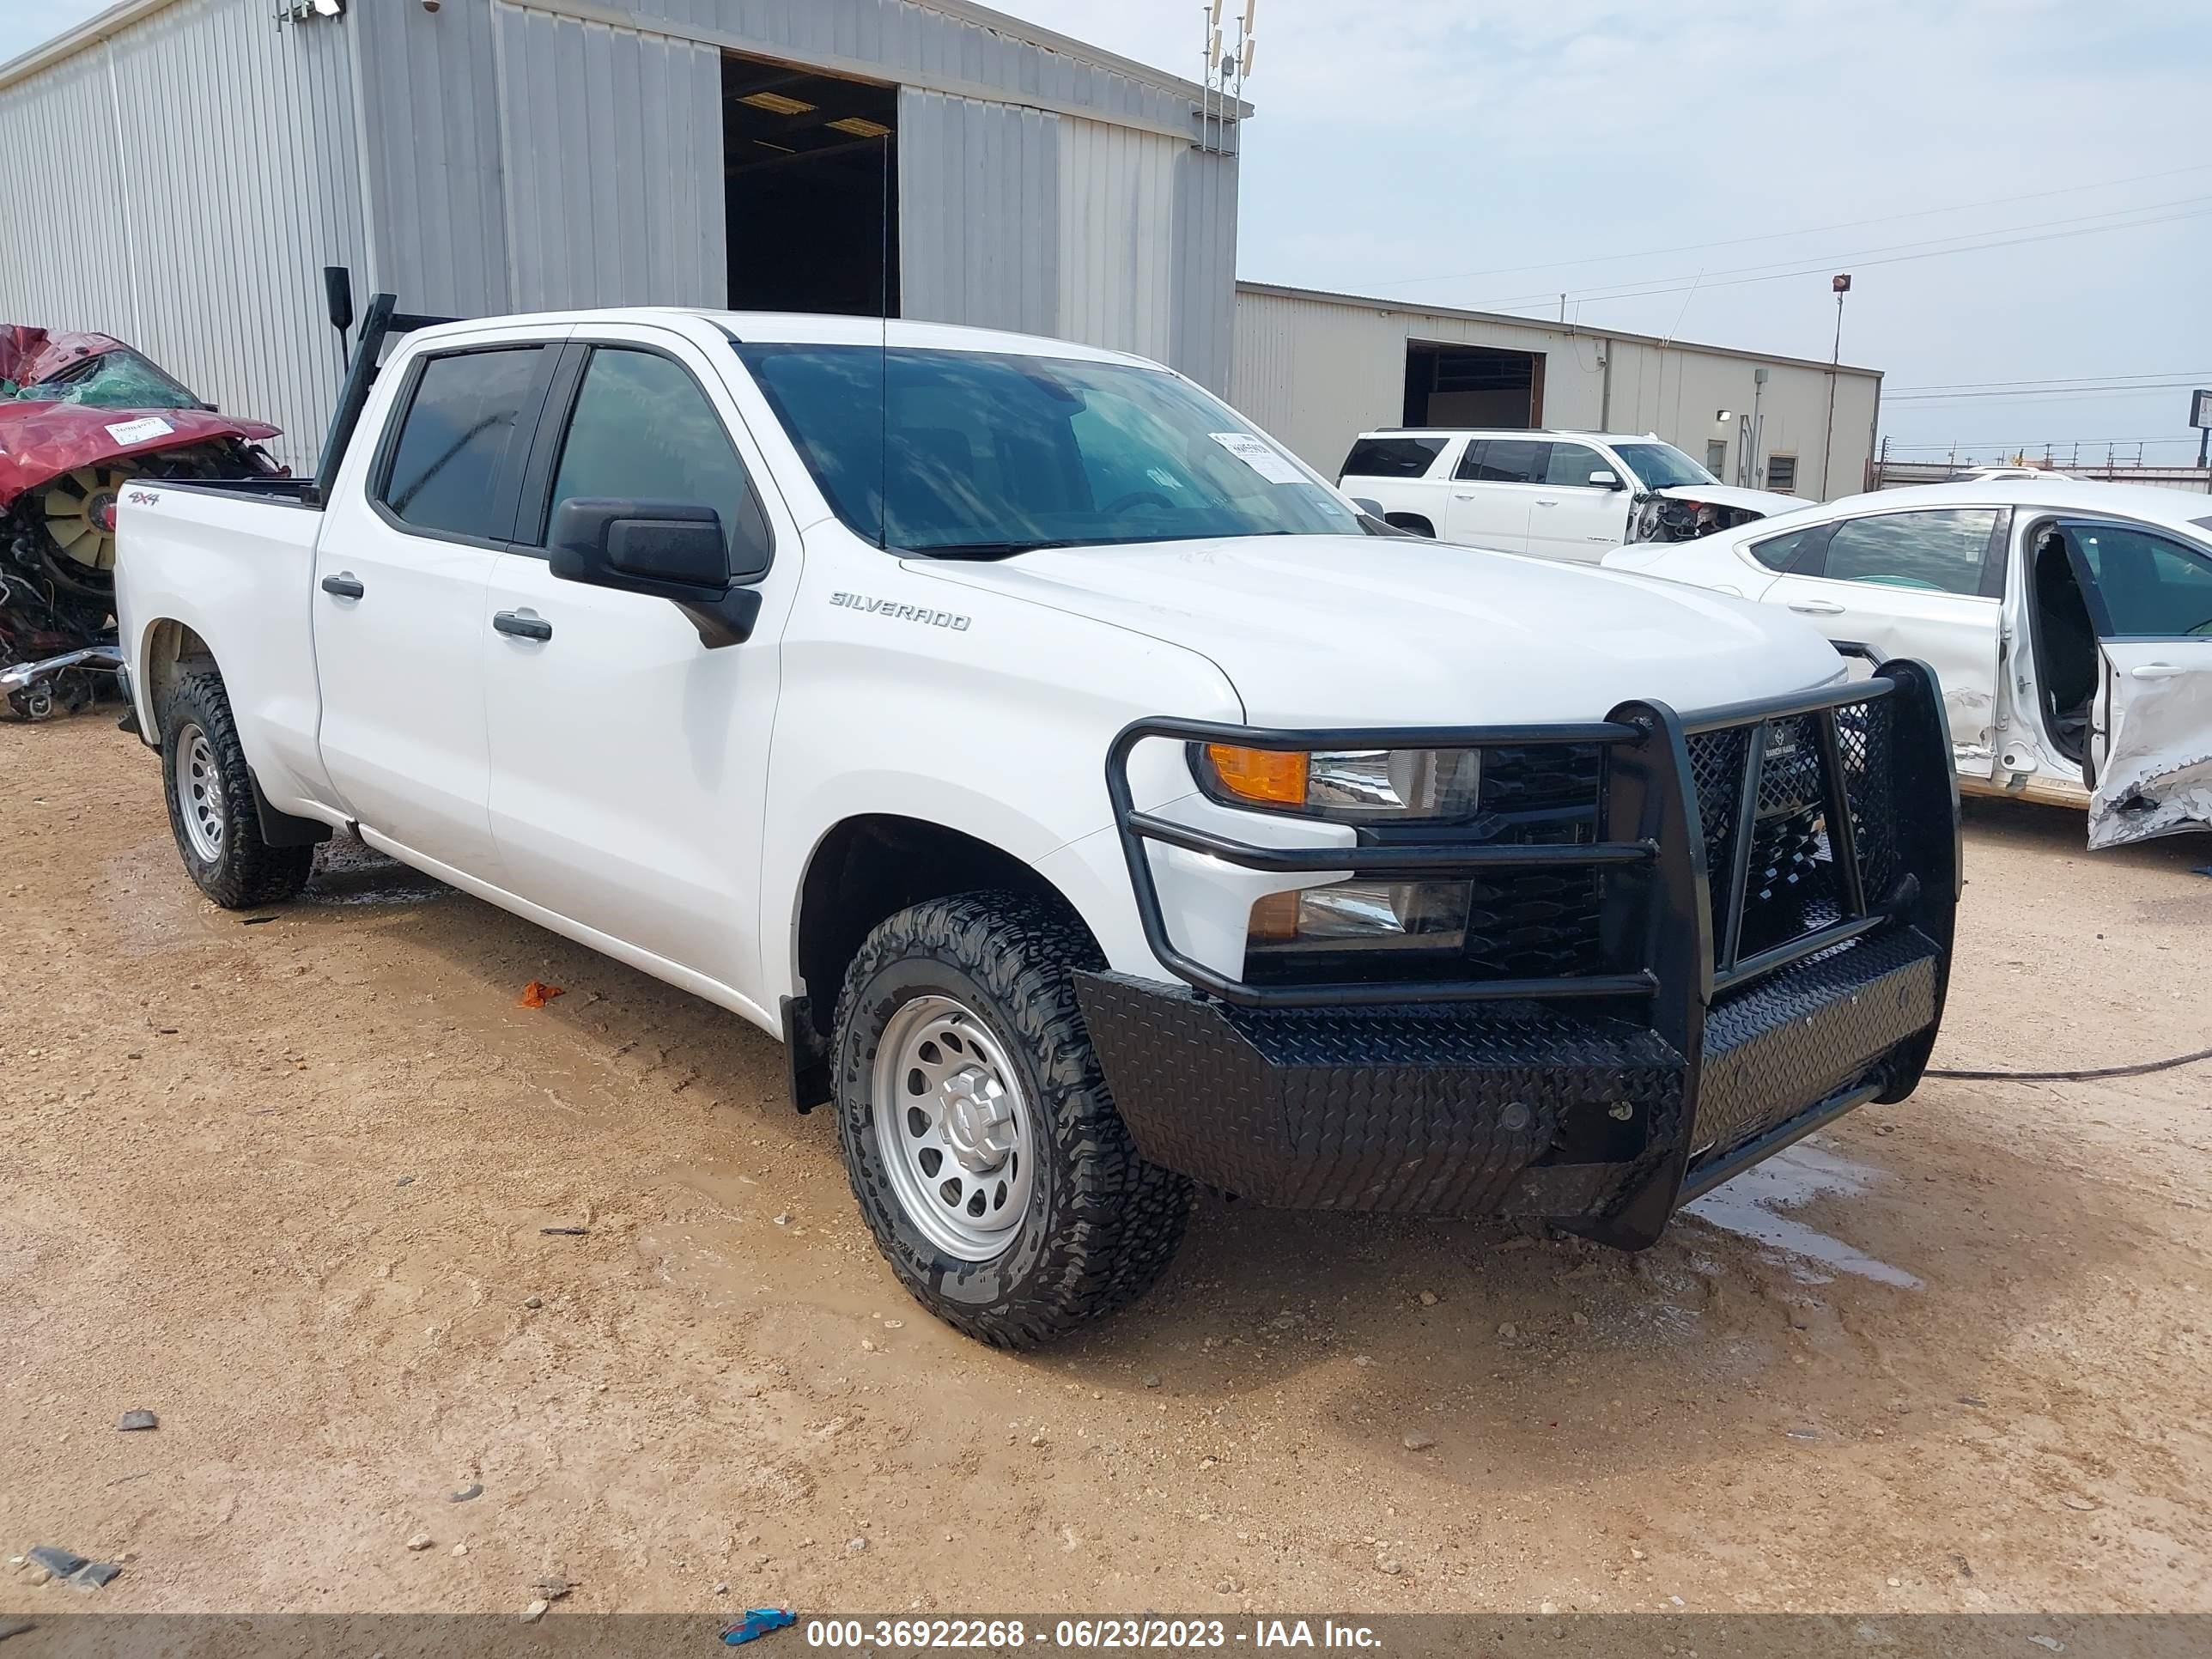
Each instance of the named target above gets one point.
<point>1926,583</point>
<point>2150,738</point>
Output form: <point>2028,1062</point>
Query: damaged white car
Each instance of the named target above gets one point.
<point>2070,623</point>
<point>1567,495</point>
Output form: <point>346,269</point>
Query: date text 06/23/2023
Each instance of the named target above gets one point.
<point>1088,1635</point>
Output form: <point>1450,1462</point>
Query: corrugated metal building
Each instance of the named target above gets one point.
<point>495,155</point>
<point>1316,369</point>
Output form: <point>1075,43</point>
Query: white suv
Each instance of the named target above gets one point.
<point>1558,494</point>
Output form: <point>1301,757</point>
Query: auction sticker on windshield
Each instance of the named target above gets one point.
<point>137,431</point>
<point>1267,462</point>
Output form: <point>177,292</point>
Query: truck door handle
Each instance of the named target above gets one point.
<point>2155,671</point>
<point>523,628</point>
<point>1462,494</point>
<point>1541,502</point>
<point>343,586</point>
<point>1816,608</point>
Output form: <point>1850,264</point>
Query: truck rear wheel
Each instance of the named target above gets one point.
<point>981,1142</point>
<point>212,807</point>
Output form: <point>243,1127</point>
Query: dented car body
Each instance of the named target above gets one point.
<point>80,415</point>
<point>2070,623</point>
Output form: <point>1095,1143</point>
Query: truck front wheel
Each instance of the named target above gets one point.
<point>981,1142</point>
<point>212,807</point>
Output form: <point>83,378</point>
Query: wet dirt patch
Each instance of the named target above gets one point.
<point>1760,1204</point>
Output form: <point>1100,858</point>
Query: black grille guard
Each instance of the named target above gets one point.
<point>1678,869</point>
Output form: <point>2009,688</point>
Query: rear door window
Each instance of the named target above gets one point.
<point>1506,460</point>
<point>1571,464</point>
<point>1392,458</point>
<point>1797,553</point>
<point>453,467</point>
<point>1946,552</point>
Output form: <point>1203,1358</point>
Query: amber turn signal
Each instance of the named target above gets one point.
<point>1276,776</point>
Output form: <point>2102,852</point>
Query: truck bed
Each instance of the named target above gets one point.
<point>281,492</point>
<point>232,563</point>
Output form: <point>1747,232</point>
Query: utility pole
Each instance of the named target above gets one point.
<point>2200,417</point>
<point>1841,284</point>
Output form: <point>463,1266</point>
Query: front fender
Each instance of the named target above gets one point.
<point>999,729</point>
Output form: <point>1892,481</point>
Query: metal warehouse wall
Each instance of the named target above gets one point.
<point>978,184</point>
<point>506,154</point>
<point>1145,257</point>
<point>1316,369</point>
<point>179,184</point>
<point>1037,190</point>
<point>613,142</point>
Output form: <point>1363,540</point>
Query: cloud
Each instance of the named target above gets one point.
<point>1404,140</point>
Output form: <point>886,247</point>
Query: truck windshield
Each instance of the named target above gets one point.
<point>1662,467</point>
<point>982,455</point>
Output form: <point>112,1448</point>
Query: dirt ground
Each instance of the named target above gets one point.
<point>281,1178</point>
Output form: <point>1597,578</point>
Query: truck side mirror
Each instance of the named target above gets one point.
<point>1606,478</point>
<point>673,550</point>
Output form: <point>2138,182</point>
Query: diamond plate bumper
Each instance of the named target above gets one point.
<point>1777,882</point>
<point>1509,1110</point>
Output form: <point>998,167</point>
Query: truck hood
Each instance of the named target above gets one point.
<point>1333,630</point>
<point>1765,503</point>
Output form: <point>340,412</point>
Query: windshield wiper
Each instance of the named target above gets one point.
<point>983,549</point>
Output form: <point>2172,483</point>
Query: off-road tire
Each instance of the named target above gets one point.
<point>249,872</point>
<point>1102,1225</point>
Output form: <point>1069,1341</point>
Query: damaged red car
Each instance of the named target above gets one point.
<point>80,415</point>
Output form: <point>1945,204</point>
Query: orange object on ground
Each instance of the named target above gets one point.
<point>536,994</point>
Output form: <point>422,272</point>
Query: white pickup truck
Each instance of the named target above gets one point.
<point>1090,797</point>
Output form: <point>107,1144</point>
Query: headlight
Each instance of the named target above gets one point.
<point>1671,519</point>
<point>1346,785</point>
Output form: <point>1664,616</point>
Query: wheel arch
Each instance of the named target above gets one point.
<point>863,869</point>
<point>1418,522</point>
<point>169,649</point>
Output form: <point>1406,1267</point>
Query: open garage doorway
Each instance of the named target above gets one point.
<point>1472,386</point>
<point>810,182</point>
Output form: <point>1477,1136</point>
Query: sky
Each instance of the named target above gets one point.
<point>2021,189</point>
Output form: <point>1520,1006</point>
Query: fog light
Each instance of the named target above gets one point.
<point>1355,915</point>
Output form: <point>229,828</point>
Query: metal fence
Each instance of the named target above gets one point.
<point>1897,474</point>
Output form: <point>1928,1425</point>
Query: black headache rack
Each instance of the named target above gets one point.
<point>381,322</point>
<point>1692,940</point>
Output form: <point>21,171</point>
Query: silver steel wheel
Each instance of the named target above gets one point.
<point>199,792</point>
<point>953,1129</point>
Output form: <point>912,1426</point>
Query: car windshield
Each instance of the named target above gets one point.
<point>114,380</point>
<point>981,454</point>
<point>1662,467</point>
